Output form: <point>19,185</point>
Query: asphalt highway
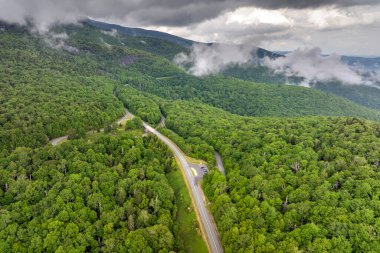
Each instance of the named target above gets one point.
<point>206,218</point>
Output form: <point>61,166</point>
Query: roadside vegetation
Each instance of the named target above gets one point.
<point>186,224</point>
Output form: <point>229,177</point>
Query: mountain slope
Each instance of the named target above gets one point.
<point>63,83</point>
<point>184,43</point>
<point>252,99</point>
<point>361,94</point>
<point>138,32</point>
<point>364,95</point>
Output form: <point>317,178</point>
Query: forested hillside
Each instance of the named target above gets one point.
<point>364,95</point>
<point>51,87</point>
<point>296,184</point>
<point>45,92</point>
<point>63,82</point>
<point>368,96</point>
<point>107,195</point>
<point>142,104</point>
<point>252,99</point>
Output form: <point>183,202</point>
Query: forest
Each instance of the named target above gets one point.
<point>366,95</point>
<point>109,194</point>
<point>46,93</point>
<point>292,184</point>
<point>142,104</point>
<point>251,99</point>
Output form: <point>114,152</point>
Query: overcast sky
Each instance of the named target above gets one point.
<point>343,26</point>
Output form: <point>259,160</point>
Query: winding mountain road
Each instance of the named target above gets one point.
<point>208,226</point>
<point>207,223</point>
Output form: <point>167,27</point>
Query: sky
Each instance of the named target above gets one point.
<point>350,27</point>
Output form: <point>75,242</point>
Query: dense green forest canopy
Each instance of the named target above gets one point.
<point>364,95</point>
<point>64,81</point>
<point>107,195</point>
<point>292,184</point>
<point>368,96</point>
<point>144,105</point>
<point>252,99</point>
<point>45,92</point>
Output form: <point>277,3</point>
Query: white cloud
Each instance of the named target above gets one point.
<point>112,33</point>
<point>313,66</point>
<point>59,41</point>
<point>255,16</point>
<point>332,18</point>
<point>206,60</point>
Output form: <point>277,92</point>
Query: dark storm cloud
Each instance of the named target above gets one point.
<point>145,12</point>
<point>301,4</point>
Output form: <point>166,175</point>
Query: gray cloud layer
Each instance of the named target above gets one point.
<point>145,12</point>
<point>273,24</point>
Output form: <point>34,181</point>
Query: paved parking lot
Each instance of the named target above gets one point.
<point>198,170</point>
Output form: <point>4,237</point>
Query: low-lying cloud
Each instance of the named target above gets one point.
<point>311,65</point>
<point>206,59</point>
<point>112,32</point>
<point>59,41</point>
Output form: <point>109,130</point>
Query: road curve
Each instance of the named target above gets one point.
<point>125,117</point>
<point>59,140</point>
<point>207,223</point>
<point>206,219</point>
<point>219,162</point>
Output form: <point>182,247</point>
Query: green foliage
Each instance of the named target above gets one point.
<point>186,225</point>
<point>361,94</point>
<point>292,184</point>
<point>111,195</point>
<point>140,104</point>
<point>364,95</point>
<point>46,93</point>
<point>134,124</point>
<point>295,184</point>
<point>252,99</point>
<point>192,146</point>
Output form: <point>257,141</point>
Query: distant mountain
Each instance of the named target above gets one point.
<point>364,95</point>
<point>365,63</point>
<point>261,53</point>
<point>361,62</point>
<point>361,94</point>
<point>138,32</point>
